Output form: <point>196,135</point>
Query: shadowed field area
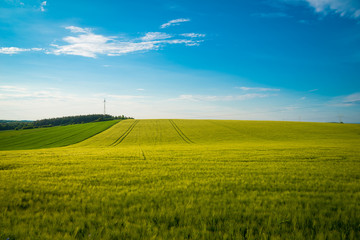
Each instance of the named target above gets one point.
<point>188,179</point>
<point>51,137</point>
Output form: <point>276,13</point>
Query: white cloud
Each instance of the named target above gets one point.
<point>313,90</point>
<point>352,99</point>
<point>271,15</point>
<point>193,35</point>
<point>222,98</point>
<point>346,101</point>
<point>35,103</point>
<point>85,43</point>
<point>15,50</point>
<point>343,7</point>
<point>12,89</point>
<point>348,8</point>
<point>12,50</point>
<point>78,29</point>
<point>43,4</point>
<point>174,22</point>
<point>258,89</point>
<point>88,44</point>
<point>184,41</point>
<point>290,108</point>
<point>21,93</point>
<point>125,97</point>
<point>155,36</point>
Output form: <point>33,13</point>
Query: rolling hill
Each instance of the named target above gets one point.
<point>52,136</point>
<point>160,132</point>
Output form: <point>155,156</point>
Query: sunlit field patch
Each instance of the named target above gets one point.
<point>188,179</point>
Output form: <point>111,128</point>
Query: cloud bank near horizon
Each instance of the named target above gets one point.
<point>22,100</point>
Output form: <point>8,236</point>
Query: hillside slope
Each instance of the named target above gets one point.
<point>190,132</point>
<point>51,137</point>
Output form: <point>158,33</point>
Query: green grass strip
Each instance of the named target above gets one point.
<point>51,137</point>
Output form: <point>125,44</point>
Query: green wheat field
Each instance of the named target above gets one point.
<point>181,179</point>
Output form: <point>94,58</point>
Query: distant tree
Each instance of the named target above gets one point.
<point>61,121</point>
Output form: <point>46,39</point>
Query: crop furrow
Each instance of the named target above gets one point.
<point>125,134</point>
<point>181,134</point>
<point>143,153</point>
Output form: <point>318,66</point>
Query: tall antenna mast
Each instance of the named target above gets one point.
<point>340,118</point>
<point>104,106</point>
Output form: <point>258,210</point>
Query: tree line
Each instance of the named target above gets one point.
<point>60,121</point>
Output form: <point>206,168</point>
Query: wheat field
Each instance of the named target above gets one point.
<point>185,179</point>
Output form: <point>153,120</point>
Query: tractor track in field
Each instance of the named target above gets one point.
<point>181,134</point>
<point>142,153</point>
<point>125,134</point>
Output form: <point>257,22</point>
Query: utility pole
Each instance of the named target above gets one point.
<point>340,118</point>
<point>104,107</point>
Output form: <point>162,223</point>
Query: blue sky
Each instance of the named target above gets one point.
<point>294,60</point>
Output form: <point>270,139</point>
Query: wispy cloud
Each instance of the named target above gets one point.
<point>42,6</point>
<point>174,22</point>
<point>350,100</point>
<point>222,98</point>
<point>84,42</point>
<point>313,90</point>
<point>257,89</point>
<point>155,36</point>
<point>15,93</point>
<point>75,29</point>
<point>125,97</point>
<point>15,50</point>
<point>35,103</point>
<point>88,44</point>
<point>346,101</point>
<point>345,8</point>
<point>290,108</point>
<point>272,15</point>
<point>12,89</point>
<point>193,35</point>
<point>20,93</point>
